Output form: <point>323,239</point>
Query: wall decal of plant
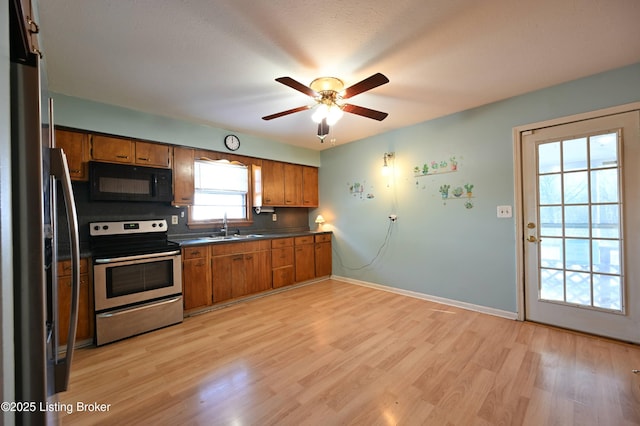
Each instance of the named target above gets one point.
<point>469,188</point>
<point>444,190</point>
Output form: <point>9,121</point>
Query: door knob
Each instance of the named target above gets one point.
<point>532,239</point>
<point>531,225</point>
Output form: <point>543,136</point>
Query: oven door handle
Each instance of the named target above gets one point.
<point>137,257</point>
<point>137,308</point>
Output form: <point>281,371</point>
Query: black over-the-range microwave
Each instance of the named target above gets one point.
<point>127,182</point>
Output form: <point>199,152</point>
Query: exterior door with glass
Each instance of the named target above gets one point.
<point>581,210</point>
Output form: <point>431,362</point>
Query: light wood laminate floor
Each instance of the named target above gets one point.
<point>336,353</point>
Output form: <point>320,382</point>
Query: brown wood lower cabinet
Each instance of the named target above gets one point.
<point>304,258</point>
<point>282,262</point>
<point>196,277</point>
<point>223,271</point>
<point>323,255</point>
<point>84,330</point>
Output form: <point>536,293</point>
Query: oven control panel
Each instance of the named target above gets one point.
<point>127,227</point>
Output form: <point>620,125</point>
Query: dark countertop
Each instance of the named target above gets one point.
<point>186,241</point>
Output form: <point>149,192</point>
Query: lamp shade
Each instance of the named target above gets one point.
<point>319,219</point>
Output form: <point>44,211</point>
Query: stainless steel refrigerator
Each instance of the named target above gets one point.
<point>39,175</point>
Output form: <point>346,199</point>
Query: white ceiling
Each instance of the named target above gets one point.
<point>214,62</point>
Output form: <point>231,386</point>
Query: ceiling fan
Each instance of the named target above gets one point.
<point>328,94</point>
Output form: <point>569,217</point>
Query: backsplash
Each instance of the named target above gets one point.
<point>290,219</point>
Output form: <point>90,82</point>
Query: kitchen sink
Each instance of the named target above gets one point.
<point>232,237</point>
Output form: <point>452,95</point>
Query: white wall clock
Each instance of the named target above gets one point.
<point>232,142</point>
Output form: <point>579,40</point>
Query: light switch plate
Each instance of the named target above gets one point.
<point>504,211</point>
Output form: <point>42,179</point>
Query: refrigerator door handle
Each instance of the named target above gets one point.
<point>60,170</point>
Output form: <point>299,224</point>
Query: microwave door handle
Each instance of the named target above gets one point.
<point>154,185</point>
<point>60,170</point>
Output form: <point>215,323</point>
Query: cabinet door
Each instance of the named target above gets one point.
<point>183,184</point>
<point>272,183</point>
<point>115,150</point>
<point>305,263</point>
<point>292,185</point>
<point>258,267</point>
<point>323,259</point>
<point>309,186</point>
<point>153,154</point>
<point>222,277</point>
<point>197,289</point>
<point>74,145</point>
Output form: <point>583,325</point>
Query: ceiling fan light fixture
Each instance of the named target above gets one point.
<point>323,84</point>
<point>321,112</point>
<point>334,114</point>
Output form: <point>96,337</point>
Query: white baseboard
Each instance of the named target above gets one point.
<point>444,301</point>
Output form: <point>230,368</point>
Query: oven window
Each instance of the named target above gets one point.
<point>140,277</point>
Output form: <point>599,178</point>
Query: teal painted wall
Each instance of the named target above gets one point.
<point>442,248</point>
<point>94,116</point>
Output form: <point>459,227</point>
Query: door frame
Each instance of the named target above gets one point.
<point>518,189</point>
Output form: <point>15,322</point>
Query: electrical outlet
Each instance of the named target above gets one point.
<point>174,219</point>
<point>274,217</point>
<point>504,211</point>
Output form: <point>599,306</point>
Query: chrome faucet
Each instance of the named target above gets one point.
<point>225,225</point>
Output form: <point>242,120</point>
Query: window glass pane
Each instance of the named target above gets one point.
<point>576,252</point>
<point>604,186</point>
<point>551,284</point>
<point>574,154</point>
<point>549,157</point>
<point>550,189</point>
<point>576,188</point>
<point>605,221</point>
<point>606,256</point>
<point>551,221</point>
<point>221,189</point>
<point>607,292</point>
<point>603,150</point>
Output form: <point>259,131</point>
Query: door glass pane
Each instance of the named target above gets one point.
<point>606,256</point>
<point>605,221</point>
<point>550,221</point>
<point>576,221</point>
<point>604,186</point>
<point>578,288</point>
<point>549,157</point>
<point>576,188</point>
<point>574,154</point>
<point>551,253</point>
<point>603,152</point>
<point>607,291</point>
<point>550,189</point>
<point>577,254</point>
<point>551,284</point>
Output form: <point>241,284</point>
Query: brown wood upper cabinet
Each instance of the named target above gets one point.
<point>119,150</point>
<point>75,146</point>
<point>291,185</point>
<point>183,184</point>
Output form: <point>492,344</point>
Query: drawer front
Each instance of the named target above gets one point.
<point>323,238</point>
<point>218,249</point>
<point>64,267</point>
<point>307,239</point>
<point>194,252</point>
<point>282,242</point>
<point>281,257</point>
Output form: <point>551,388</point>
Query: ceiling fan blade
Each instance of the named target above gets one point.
<point>288,81</point>
<point>369,83</point>
<point>365,112</point>
<point>287,112</point>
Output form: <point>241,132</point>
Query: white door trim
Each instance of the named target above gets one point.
<point>518,195</point>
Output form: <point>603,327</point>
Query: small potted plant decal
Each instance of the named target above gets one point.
<point>425,169</point>
<point>454,163</point>
<point>416,170</point>
<point>469,188</point>
<point>457,192</point>
<point>444,191</point>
